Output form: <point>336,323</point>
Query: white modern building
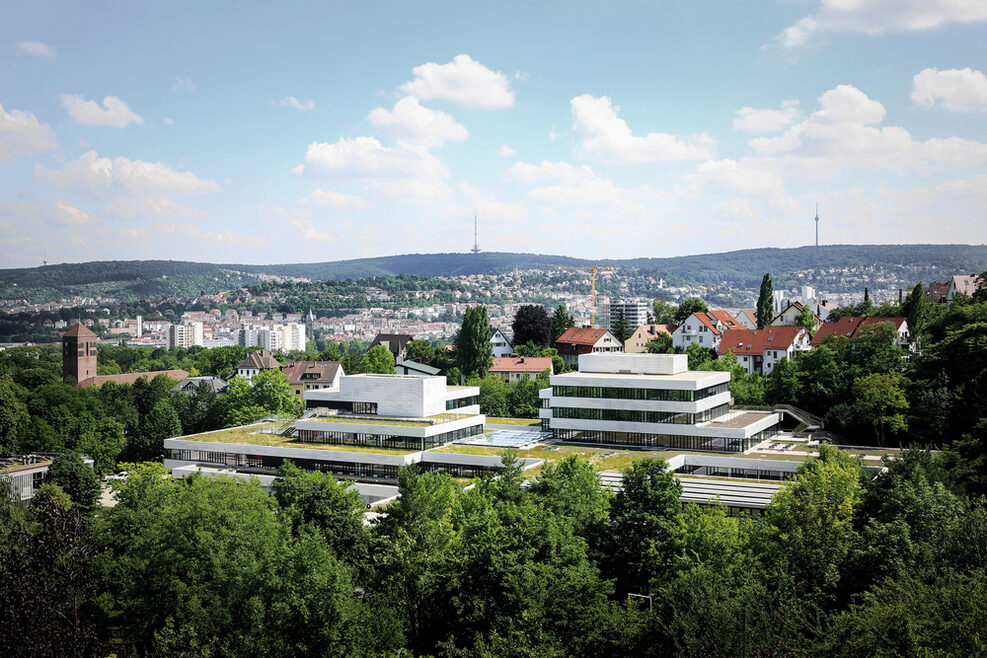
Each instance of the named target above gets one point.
<point>650,401</point>
<point>273,337</point>
<point>366,430</point>
<point>185,334</point>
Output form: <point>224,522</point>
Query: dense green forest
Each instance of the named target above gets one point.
<point>134,280</point>
<point>841,564</point>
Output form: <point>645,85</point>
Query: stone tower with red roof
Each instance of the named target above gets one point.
<point>78,353</point>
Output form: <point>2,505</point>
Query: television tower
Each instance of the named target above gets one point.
<point>476,243</point>
<point>817,223</point>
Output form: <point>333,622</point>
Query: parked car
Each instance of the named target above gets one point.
<point>122,475</point>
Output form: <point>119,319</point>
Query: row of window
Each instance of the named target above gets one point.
<point>459,403</point>
<point>675,441</point>
<point>396,442</point>
<point>626,415</point>
<point>738,473</point>
<point>269,464</point>
<point>618,393</point>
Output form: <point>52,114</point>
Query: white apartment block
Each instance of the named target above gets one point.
<point>185,334</point>
<point>273,337</point>
<point>635,314</point>
<point>649,401</point>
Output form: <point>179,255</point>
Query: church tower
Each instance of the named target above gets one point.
<point>78,353</point>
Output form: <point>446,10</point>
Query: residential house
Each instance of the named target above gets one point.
<point>396,343</point>
<point>936,292</point>
<point>190,384</point>
<point>760,350</point>
<point>586,340</point>
<point>747,317</point>
<point>637,343</point>
<point>850,327</point>
<point>790,316</point>
<point>502,345</point>
<point>312,376</point>
<point>961,285</point>
<point>404,366</point>
<point>704,329</point>
<point>256,363</point>
<point>513,368</point>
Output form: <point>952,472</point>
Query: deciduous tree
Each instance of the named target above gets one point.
<point>532,323</point>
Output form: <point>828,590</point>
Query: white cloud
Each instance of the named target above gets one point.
<point>873,17</point>
<point>424,191</point>
<point>554,135</point>
<point>603,133</point>
<point>839,137</point>
<point>291,101</point>
<point>506,151</point>
<point>37,49</point>
<point>22,134</point>
<point>463,81</point>
<point>144,208</point>
<point>412,124</point>
<point>847,104</point>
<point>182,85</point>
<point>750,120</point>
<point>333,199</point>
<point>735,209</point>
<point>959,90</point>
<point>575,186</point>
<point>525,172</point>
<point>195,232</point>
<point>114,112</point>
<point>366,157</point>
<point>98,177</point>
<point>72,216</point>
<point>168,121</point>
<point>731,177</point>
<point>489,208</point>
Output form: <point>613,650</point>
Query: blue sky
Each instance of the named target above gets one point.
<point>296,132</point>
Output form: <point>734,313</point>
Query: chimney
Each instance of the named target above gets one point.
<point>900,298</point>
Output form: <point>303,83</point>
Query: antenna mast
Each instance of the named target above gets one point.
<point>476,243</point>
<point>817,223</point>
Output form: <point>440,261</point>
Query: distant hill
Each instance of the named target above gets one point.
<point>131,280</point>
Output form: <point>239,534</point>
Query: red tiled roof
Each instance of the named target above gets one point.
<point>936,292</point>
<point>311,372</point>
<point>132,377</point>
<point>756,341</point>
<point>655,329</point>
<point>726,318</point>
<point>79,330</point>
<point>533,364</point>
<point>845,326</point>
<point>849,326</point>
<point>581,336</point>
<point>261,360</point>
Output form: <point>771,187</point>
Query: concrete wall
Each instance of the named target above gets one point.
<point>638,364</point>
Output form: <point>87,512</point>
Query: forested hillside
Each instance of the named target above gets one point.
<point>132,280</point>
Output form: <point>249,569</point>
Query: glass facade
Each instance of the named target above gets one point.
<point>675,441</point>
<point>640,416</point>
<point>617,393</point>
<point>459,403</point>
<point>264,464</point>
<point>385,441</point>
<point>459,470</point>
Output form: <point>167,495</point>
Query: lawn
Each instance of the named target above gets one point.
<point>527,422</point>
<point>251,436</point>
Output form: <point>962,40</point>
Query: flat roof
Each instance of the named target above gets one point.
<point>688,375</point>
<point>253,435</point>
<point>739,420</point>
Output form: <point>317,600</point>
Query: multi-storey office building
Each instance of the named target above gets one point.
<point>650,400</point>
<point>365,430</point>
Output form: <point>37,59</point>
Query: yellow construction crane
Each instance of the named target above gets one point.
<point>593,269</point>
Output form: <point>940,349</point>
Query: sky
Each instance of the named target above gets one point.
<point>248,132</point>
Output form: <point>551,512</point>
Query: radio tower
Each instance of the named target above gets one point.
<point>817,223</point>
<point>476,243</point>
